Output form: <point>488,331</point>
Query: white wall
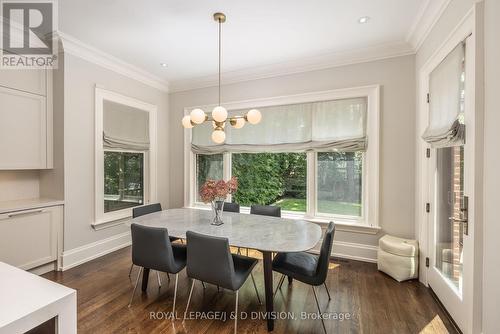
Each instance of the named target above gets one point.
<point>16,185</point>
<point>397,79</point>
<point>491,225</point>
<point>80,78</point>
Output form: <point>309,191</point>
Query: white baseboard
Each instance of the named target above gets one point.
<point>353,251</point>
<point>85,253</point>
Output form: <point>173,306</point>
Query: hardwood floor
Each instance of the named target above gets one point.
<point>374,302</point>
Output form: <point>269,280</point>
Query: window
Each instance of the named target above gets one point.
<point>125,156</point>
<point>340,179</point>
<point>272,179</point>
<point>208,167</point>
<point>123,180</point>
<point>310,156</point>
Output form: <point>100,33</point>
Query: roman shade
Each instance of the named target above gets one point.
<point>125,127</point>
<point>313,126</point>
<point>446,101</point>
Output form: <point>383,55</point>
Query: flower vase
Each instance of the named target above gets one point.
<point>217,208</point>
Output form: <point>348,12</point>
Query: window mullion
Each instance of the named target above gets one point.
<point>311,184</point>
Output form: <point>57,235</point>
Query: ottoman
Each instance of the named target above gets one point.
<point>398,257</point>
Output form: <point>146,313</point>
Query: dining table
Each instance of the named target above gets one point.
<point>265,234</point>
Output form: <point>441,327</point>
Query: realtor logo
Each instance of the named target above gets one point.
<point>28,34</point>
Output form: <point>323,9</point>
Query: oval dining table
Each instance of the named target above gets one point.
<point>262,233</point>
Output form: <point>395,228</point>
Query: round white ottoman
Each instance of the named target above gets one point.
<point>398,257</point>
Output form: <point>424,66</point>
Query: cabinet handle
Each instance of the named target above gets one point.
<point>17,214</point>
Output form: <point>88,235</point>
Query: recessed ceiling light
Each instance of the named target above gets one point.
<point>363,19</point>
<point>163,64</point>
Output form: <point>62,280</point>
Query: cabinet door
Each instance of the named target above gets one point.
<point>23,130</point>
<point>29,238</point>
<point>31,81</point>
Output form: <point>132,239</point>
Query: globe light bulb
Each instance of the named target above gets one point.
<point>219,114</point>
<point>237,123</point>
<point>186,122</point>
<point>198,116</point>
<point>254,116</point>
<point>218,136</point>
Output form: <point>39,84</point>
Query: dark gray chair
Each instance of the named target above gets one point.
<point>307,268</point>
<point>231,207</point>
<point>145,210</point>
<point>209,259</point>
<point>265,210</point>
<point>152,249</point>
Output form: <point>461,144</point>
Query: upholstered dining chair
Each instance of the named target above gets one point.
<point>231,207</point>
<point>307,268</point>
<point>265,210</point>
<point>210,260</point>
<point>152,249</point>
<point>145,210</point>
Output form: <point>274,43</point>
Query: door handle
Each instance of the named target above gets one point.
<point>17,214</point>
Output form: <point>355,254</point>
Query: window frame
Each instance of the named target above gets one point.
<point>370,185</point>
<point>102,219</point>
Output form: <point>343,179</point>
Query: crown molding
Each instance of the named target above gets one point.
<point>430,12</point>
<point>328,60</point>
<point>87,52</point>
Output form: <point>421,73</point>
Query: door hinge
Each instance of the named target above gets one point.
<point>427,207</point>
<point>428,152</point>
<point>428,98</point>
<point>427,262</point>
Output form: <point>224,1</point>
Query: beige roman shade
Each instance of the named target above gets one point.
<point>314,126</point>
<point>446,101</point>
<point>125,127</point>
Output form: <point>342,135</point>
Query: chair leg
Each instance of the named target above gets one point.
<point>159,279</point>
<point>175,292</point>
<point>189,300</point>
<point>236,314</point>
<point>135,287</point>
<point>279,284</point>
<point>130,271</point>
<point>255,286</point>
<point>328,292</point>
<point>319,310</point>
<point>168,276</point>
<point>218,288</point>
<point>204,286</point>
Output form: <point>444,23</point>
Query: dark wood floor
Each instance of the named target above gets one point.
<point>375,302</point>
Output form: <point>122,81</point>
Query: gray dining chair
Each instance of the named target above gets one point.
<point>209,259</point>
<point>307,268</point>
<point>145,210</point>
<point>265,210</point>
<point>152,249</point>
<point>231,207</point>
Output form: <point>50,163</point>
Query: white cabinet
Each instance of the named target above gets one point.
<point>31,238</point>
<point>32,81</point>
<point>25,119</point>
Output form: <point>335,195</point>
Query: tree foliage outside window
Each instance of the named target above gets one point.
<point>269,178</point>
<point>208,167</point>
<point>339,183</point>
<point>123,180</point>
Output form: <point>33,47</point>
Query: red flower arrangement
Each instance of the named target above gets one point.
<point>213,190</point>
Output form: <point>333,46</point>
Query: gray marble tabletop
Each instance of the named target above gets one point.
<point>263,233</point>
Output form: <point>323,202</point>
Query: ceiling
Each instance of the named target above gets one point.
<point>182,33</point>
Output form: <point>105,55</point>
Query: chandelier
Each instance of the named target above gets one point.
<point>219,113</point>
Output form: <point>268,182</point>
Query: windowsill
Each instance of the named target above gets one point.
<point>341,224</point>
<point>117,219</point>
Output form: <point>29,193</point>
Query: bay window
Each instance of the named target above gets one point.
<point>314,155</point>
